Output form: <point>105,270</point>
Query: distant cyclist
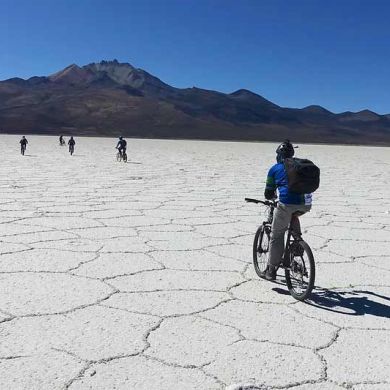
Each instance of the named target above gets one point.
<point>71,144</point>
<point>62,141</point>
<point>23,144</point>
<point>121,146</point>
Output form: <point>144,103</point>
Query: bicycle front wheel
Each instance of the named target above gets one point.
<point>300,274</point>
<point>261,249</point>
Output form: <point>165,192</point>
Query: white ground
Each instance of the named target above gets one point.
<point>139,275</point>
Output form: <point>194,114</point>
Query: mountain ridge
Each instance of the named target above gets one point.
<point>110,97</point>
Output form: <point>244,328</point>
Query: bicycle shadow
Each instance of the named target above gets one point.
<point>353,302</point>
<point>350,302</point>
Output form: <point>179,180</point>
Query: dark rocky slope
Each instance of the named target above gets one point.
<point>111,98</point>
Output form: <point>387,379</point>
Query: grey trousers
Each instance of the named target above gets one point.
<point>282,218</point>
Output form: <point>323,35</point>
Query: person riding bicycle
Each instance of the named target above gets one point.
<point>121,145</point>
<point>23,143</point>
<point>62,142</point>
<point>290,206</point>
<point>71,144</point>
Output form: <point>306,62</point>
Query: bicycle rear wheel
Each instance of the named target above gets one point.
<point>261,248</point>
<point>124,157</point>
<point>300,274</point>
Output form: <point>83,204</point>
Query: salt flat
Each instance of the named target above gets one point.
<point>139,275</point>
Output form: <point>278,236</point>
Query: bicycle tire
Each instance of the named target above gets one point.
<point>124,157</point>
<point>260,259</point>
<point>118,156</point>
<point>297,265</point>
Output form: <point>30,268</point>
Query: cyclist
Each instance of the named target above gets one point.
<point>121,146</point>
<point>62,142</point>
<point>290,205</point>
<point>71,144</point>
<point>23,144</point>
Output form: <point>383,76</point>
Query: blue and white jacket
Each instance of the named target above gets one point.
<point>277,180</point>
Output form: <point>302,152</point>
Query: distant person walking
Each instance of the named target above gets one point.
<point>71,144</point>
<point>62,141</point>
<point>23,145</point>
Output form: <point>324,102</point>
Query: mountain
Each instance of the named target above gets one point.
<point>111,98</point>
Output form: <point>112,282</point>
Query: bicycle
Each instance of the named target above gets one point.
<point>121,156</point>
<point>71,149</point>
<point>297,260</point>
<point>22,149</point>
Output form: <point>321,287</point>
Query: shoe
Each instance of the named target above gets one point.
<point>269,273</point>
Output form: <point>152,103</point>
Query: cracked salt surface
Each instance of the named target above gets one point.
<point>139,275</point>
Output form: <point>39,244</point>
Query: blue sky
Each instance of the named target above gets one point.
<point>293,52</point>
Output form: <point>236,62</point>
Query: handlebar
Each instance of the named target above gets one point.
<point>266,203</point>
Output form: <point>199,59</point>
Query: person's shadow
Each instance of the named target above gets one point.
<point>357,302</point>
<point>350,302</point>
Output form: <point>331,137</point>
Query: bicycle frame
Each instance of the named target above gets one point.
<point>120,154</point>
<point>292,236</point>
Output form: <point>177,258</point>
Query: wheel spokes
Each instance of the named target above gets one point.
<point>299,273</point>
<point>261,250</point>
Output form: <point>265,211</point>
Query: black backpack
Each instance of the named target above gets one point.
<point>303,175</point>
